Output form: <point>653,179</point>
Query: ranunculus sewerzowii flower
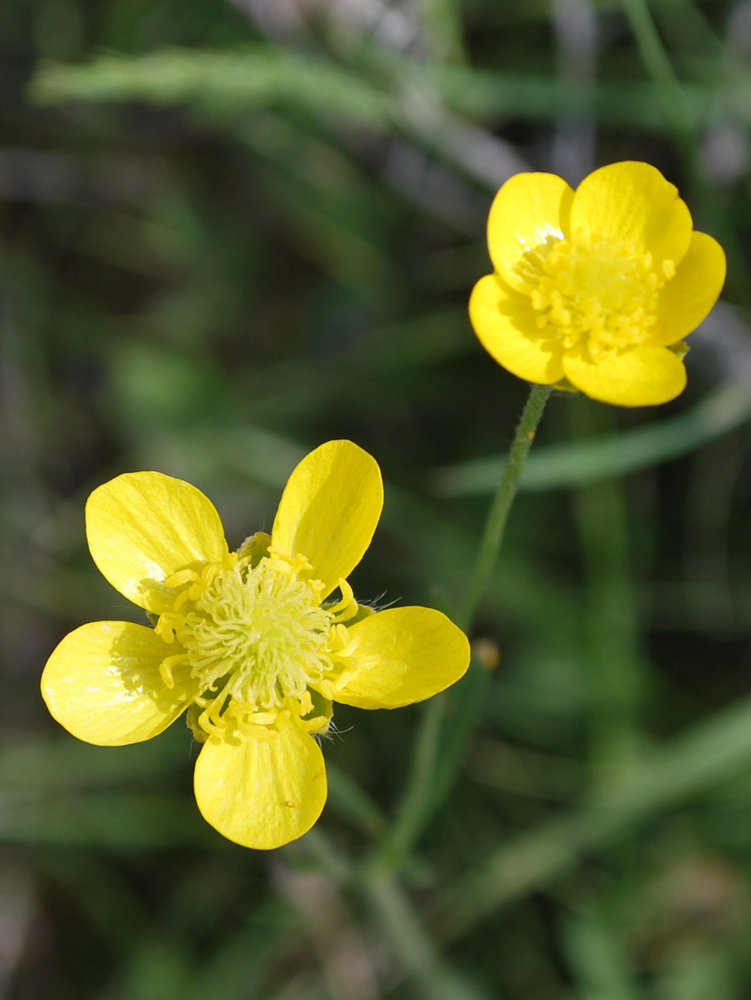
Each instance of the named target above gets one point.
<point>251,643</point>
<point>596,285</point>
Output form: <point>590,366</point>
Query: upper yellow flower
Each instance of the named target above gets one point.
<point>249,641</point>
<point>596,285</point>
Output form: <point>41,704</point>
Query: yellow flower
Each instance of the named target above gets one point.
<point>596,285</point>
<point>251,642</point>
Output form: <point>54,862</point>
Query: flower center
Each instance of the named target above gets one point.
<point>256,639</point>
<point>597,297</point>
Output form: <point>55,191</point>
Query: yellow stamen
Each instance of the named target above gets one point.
<point>256,639</point>
<point>594,298</point>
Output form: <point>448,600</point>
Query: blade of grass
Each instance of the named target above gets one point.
<point>349,800</point>
<point>219,81</point>
<point>616,673</point>
<point>443,25</point>
<point>598,959</point>
<point>711,752</point>
<point>679,123</point>
<point>420,956</point>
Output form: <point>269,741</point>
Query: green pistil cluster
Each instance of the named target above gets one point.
<point>256,639</point>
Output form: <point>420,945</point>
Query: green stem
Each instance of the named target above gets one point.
<point>501,505</point>
<point>402,927</point>
<point>416,951</point>
<point>420,798</point>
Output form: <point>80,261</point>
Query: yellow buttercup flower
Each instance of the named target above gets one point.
<point>250,643</point>
<point>596,285</point>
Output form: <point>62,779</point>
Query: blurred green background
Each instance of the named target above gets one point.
<point>230,231</point>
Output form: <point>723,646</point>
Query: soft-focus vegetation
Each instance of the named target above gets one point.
<point>231,231</point>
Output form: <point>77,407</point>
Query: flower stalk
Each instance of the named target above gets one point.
<point>495,525</point>
<point>420,797</point>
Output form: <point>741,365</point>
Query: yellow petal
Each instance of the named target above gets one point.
<point>504,322</point>
<point>642,376</point>
<point>687,299</point>
<point>329,510</point>
<point>262,794</point>
<point>528,210</point>
<point>420,652</point>
<point>632,201</point>
<point>102,684</point>
<point>143,527</point>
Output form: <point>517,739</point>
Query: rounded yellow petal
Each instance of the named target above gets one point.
<point>504,322</point>
<point>262,794</point>
<point>527,211</point>
<point>102,683</point>
<point>329,510</point>
<point>144,526</point>
<point>643,376</point>
<point>420,652</point>
<point>687,299</point>
<point>632,201</point>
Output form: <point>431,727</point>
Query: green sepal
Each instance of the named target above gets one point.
<point>255,548</point>
<point>323,709</point>
<point>680,349</point>
<point>565,386</point>
<point>191,720</point>
<point>363,611</point>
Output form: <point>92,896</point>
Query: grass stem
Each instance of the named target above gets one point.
<point>420,800</point>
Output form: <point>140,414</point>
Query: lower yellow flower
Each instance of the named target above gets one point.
<point>249,642</point>
<point>596,285</point>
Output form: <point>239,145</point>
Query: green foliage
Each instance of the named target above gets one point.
<point>230,231</point>
<point>217,82</point>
